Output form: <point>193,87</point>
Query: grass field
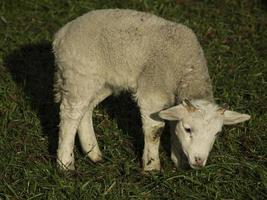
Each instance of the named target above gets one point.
<point>233,34</point>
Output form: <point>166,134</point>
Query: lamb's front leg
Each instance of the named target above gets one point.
<point>152,132</point>
<point>150,102</point>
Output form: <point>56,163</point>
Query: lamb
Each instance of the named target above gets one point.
<point>160,62</point>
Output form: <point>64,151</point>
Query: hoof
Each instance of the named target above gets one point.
<point>65,167</point>
<point>95,157</point>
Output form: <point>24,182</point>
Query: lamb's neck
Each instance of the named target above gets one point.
<point>195,89</point>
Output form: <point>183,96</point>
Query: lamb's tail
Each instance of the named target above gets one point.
<point>58,80</point>
<point>58,83</point>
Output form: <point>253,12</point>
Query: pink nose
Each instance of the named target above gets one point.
<point>198,161</point>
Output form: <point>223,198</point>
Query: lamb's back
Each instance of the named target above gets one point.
<point>113,38</point>
<point>122,45</point>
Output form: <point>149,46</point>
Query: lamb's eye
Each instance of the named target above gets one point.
<point>188,130</point>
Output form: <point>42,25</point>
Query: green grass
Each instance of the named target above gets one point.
<point>234,37</point>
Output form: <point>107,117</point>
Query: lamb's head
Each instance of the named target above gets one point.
<point>198,124</point>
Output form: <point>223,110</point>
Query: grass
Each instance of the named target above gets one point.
<point>234,37</point>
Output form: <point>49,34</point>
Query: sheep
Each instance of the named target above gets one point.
<point>160,62</point>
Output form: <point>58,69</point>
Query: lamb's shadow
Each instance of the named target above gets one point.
<point>32,68</point>
<point>124,110</point>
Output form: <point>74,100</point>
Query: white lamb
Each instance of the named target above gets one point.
<point>160,62</point>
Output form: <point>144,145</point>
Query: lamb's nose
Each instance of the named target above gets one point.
<point>198,161</point>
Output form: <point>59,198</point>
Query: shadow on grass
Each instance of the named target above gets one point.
<point>32,68</point>
<point>124,110</point>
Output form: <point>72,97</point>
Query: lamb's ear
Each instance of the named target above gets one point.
<point>232,117</point>
<point>174,113</point>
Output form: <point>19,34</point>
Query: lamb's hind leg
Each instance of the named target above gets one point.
<point>86,131</point>
<point>75,102</point>
<point>70,116</point>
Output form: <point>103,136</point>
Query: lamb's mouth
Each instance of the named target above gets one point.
<point>196,166</point>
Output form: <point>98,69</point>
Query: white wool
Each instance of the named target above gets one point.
<point>106,51</point>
